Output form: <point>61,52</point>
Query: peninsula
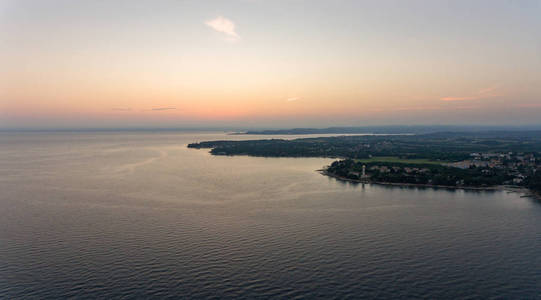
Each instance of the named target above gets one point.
<point>472,159</point>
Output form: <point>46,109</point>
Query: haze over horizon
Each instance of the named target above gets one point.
<point>251,63</point>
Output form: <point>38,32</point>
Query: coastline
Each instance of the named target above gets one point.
<point>525,191</point>
<point>534,195</point>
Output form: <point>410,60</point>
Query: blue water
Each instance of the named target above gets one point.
<point>138,215</point>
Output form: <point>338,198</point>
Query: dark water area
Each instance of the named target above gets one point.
<point>139,215</point>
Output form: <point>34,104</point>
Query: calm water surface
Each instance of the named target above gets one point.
<point>138,215</point>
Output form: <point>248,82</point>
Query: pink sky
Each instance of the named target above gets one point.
<point>249,62</point>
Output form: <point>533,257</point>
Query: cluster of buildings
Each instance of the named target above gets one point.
<point>516,164</point>
<point>497,160</point>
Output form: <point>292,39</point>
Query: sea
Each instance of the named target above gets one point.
<point>137,215</point>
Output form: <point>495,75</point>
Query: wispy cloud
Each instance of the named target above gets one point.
<point>291,99</point>
<point>408,108</point>
<point>121,109</point>
<point>529,105</point>
<point>225,26</point>
<point>163,108</point>
<point>481,94</point>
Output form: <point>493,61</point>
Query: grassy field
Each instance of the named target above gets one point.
<point>394,159</point>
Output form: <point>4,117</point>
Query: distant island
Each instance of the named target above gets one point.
<point>472,159</point>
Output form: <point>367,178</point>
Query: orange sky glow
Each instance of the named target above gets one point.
<point>253,63</point>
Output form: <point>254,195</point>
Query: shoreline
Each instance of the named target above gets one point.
<point>534,195</point>
<point>522,190</point>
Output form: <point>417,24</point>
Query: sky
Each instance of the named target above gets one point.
<point>268,63</point>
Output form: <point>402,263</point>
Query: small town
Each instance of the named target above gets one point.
<point>482,170</point>
<point>517,165</point>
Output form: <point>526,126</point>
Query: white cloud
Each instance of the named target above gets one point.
<point>292,99</point>
<point>223,25</point>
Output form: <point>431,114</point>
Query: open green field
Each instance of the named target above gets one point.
<point>394,159</point>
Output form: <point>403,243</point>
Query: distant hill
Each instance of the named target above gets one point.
<point>394,129</point>
<point>491,134</point>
